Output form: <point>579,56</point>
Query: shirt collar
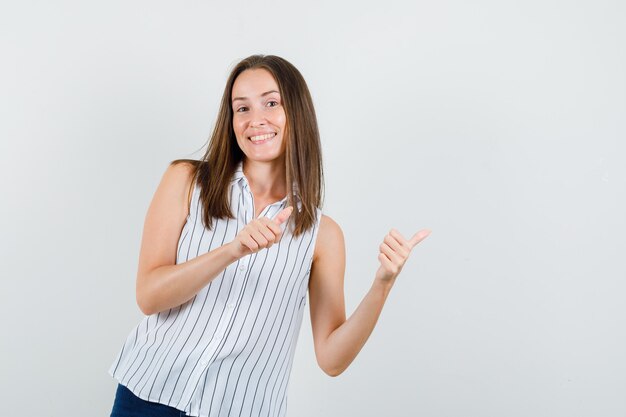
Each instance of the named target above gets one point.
<point>238,172</point>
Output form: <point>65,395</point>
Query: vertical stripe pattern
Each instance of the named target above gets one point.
<point>228,351</point>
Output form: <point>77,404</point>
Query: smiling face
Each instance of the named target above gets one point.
<point>258,115</point>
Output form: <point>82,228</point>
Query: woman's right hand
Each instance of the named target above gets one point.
<point>260,233</point>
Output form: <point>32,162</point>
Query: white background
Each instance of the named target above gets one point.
<point>499,125</point>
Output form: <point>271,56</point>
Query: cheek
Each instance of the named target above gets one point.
<point>237,126</point>
<point>282,118</point>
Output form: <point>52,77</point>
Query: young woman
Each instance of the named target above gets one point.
<point>230,246</point>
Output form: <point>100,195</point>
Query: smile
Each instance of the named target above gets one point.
<point>262,138</point>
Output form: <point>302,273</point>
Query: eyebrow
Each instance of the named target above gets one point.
<point>262,95</point>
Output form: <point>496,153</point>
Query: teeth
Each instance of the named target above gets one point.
<point>262,137</point>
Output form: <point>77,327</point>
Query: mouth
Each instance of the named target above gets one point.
<point>257,140</point>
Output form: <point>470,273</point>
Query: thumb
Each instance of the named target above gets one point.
<point>283,215</point>
<point>419,236</point>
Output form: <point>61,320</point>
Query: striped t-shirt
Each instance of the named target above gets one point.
<point>228,351</point>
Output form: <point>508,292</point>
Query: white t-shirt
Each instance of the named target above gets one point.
<point>228,351</point>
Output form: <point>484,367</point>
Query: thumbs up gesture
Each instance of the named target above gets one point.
<point>394,251</point>
<point>260,233</point>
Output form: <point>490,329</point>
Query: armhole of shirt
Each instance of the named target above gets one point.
<point>193,200</point>
<point>316,230</point>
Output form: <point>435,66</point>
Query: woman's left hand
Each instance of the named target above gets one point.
<point>394,251</point>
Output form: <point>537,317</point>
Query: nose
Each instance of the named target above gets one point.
<point>257,118</point>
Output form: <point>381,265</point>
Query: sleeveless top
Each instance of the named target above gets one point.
<point>229,350</point>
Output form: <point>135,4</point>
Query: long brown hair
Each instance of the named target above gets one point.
<point>303,153</point>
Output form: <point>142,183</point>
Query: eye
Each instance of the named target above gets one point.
<point>273,101</point>
<point>240,109</point>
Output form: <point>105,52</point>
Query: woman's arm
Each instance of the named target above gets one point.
<point>337,340</point>
<point>163,284</point>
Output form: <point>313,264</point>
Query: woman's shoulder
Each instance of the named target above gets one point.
<point>329,224</point>
<point>184,168</point>
<point>329,236</point>
<point>180,175</point>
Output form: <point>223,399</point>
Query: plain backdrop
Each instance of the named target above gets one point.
<point>499,125</point>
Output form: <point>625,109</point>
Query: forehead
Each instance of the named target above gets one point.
<point>253,82</point>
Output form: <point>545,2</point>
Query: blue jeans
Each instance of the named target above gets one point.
<point>128,404</point>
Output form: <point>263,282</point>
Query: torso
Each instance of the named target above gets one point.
<point>275,297</point>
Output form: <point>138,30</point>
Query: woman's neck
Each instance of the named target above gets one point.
<point>266,179</point>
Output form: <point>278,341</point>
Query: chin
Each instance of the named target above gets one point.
<point>265,155</point>
<point>263,158</point>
